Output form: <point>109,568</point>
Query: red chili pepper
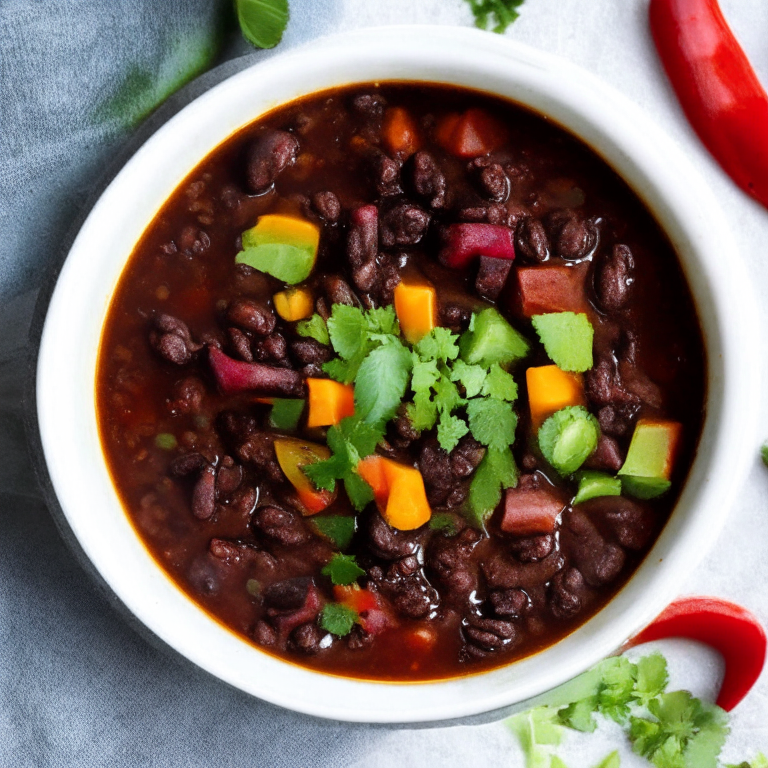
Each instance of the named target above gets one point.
<point>728,628</point>
<point>716,86</point>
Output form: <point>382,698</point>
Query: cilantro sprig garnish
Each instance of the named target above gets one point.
<point>343,570</point>
<point>338,619</point>
<point>670,729</point>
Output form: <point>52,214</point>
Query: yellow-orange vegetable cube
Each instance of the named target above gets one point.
<point>293,304</point>
<point>416,308</point>
<point>550,389</point>
<point>329,402</point>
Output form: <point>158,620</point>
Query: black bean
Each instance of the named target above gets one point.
<point>338,291</point>
<point>274,347</point>
<point>306,638</point>
<point>492,276</point>
<point>531,241</point>
<point>269,155</point>
<point>327,205</point>
<point>309,351</point>
<point>386,174</point>
<point>188,395</point>
<point>265,634</point>
<point>435,468</point>
<point>614,279</point>
<point>187,464</point>
<point>490,634</point>
<point>369,104</point>
<point>389,543</point>
<point>204,494</point>
<point>508,603</point>
<point>405,224</point>
<point>280,525</point>
<point>358,639</point>
<point>566,593</point>
<point>572,236</point>
<point>241,344</point>
<point>531,549</point>
<point>229,477</point>
<point>428,180</point>
<point>252,315</point>
<point>599,561</point>
<point>172,339</point>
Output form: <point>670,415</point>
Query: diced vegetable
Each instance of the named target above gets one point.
<point>293,454</point>
<point>282,246</point>
<point>286,413</point>
<point>343,569</point>
<point>728,628</point>
<point>372,614</point>
<point>329,402</point>
<point>593,484</point>
<point>648,468</point>
<point>337,619</point>
<point>567,337</point>
<point>552,288</point>
<point>399,492</point>
<point>464,242</point>
<point>471,133</point>
<point>166,441</point>
<point>568,437</point>
<point>294,304</point>
<point>234,376</point>
<point>400,133</point>
<point>314,328</point>
<point>550,389</point>
<point>491,339</point>
<point>531,511</point>
<point>416,308</point>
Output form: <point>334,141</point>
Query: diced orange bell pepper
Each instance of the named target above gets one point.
<point>400,133</point>
<point>470,134</point>
<point>550,389</point>
<point>329,402</point>
<point>416,308</point>
<point>293,304</point>
<point>398,490</point>
<point>293,454</point>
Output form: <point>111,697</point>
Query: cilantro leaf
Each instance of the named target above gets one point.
<point>348,330</point>
<point>381,383</point>
<point>424,375</point>
<point>652,677</point>
<point>324,474</point>
<point>422,411</point>
<point>343,371</point>
<point>471,377</point>
<point>343,569</point>
<point>439,344</point>
<point>536,730</point>
<point>358,491</point>
<point>567,337</point>
<point>500,384</point>
<point>450,430</point>
<point>447,395</point>
<point>610,761</point>
<point>383,320</point>
<point>580,715</point>
<point>262,22</point>
<point>363,437</point>
<point>314,328</point>
<point>445,522</point>
<point>497,470</point>
<point>499,13</point>
<point>492,422</point>
<point>338,528</point>
<point>337,619</point>
<point>616,691</point>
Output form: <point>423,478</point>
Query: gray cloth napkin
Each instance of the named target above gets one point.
<point>79,80</point>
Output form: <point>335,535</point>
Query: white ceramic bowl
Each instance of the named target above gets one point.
<point>620,133</point>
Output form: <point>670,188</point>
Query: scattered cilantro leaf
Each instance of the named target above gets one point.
<point>424,375</point>
<point>343,371</point>
<point>471,377</point>
<point>447,395</point>
<point>500,384</point>
<point>764,453</point>
<point>496,471</point>
<point>567,338</point>
<point>610,761</point>
<point>445,522</point>
<point>759,761</point>
<point>496,15</point>
<point>338,528</point>
<point>652,678</point>
<point>337,619</point>
<point>450,430</point>
<point>422,411</point>
<point>314,328</point>
<point>537,730</point>
<point>439,344</point>
<point>262,22</point>
<point>616,691</point>
<point>343,569</point>
<point>324,474</point>
<point>358,491</point>
<point>381,383</point>
<point>286,413</point>
<point>579,715</point>
<point>492,422</point>
<point>348,330</point>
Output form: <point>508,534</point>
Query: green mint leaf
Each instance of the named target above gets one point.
<point>262,22</point>
<point>343,569</point>
<point>471,377</point>
<point>314,328</point>
<point>495,15</point>
<point>496,471</point>
<point>381,382</point>
<point>439,344</point>
<point>450,430</point>
<point>567,338</point>
<point>337,619</point>
<point>492,422</point>
<point>358,491</point>
<point>499,384</point>
<point>339,529</point>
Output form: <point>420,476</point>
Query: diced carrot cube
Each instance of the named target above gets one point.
<point>550,389</point>
<point>552,288</point>
<point>329,402</point>
<point>471,134</point>
<point>371,469</point>
<point>293,304</point>
<point>416,308</point>
<point>400,133</point>
<point>531,511</point>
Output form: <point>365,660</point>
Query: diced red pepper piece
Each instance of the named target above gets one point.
<point>234,376</point>
<point>531,511</point>
<point>374,617</point>
<point>552,288</point>
<point>471,134</point>
<point>464,242</point>
<point>728,628</point>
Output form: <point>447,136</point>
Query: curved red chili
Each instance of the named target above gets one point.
<point>726,627</point>
<point>716,86</point>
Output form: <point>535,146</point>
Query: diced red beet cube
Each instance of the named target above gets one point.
<point>552,288</point>
<point>233,376</point>
<point>464,242</point>
<point>492,276</point>
<point>531,511</point>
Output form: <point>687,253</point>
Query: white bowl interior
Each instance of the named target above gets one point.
<point>648,160</point>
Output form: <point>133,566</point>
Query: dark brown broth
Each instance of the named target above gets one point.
<point>133,384</point>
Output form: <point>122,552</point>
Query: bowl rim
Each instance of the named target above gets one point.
<point>619,132</point>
